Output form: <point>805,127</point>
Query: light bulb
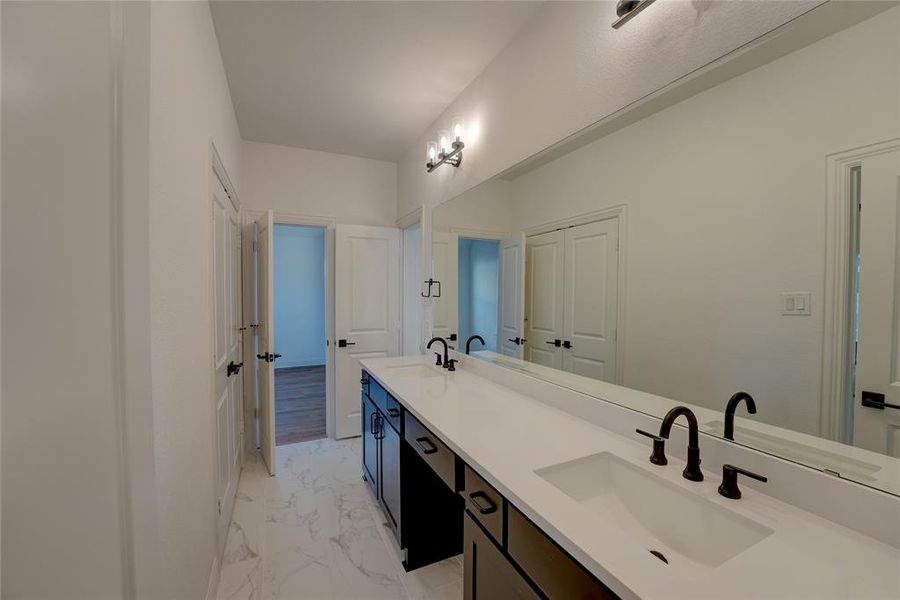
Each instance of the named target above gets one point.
<point>431,151</point>
<point>444,141</point>
<point>458,129</point>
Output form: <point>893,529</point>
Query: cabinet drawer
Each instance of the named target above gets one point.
<point>485,503</point>
<point>393,413</point>
<point>439,457</point>
<point>556,573</point>
<point>377,393</point>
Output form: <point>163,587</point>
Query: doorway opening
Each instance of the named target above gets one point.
<point>478,276</point>
<point>299,304</point>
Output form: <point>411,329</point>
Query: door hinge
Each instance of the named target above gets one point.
<point>219,505</point>
<point>256,413</point>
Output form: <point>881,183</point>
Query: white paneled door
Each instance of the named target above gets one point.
<point>544,273</point>
<point>227,351</point>
<point>366,311</point>
<point>876,417</point>
<point>591,292</point>
<point>511,303</point>
<point>445,261</point>
<point>264,330</point>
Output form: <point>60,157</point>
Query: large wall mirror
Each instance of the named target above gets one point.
<point>738,232</point>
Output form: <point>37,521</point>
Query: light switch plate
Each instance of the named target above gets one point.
<point>795,303</point>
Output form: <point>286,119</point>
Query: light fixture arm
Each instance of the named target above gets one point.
<point>453,158</point>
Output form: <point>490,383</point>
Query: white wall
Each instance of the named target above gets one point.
<point>299,299</point>
<point>568,69</point>
<point>726,210</point>
<point>190,107</point>
<point>298,181</point>
<point>412,302</point>
<point>62,519</point>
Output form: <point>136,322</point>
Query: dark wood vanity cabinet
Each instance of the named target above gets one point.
<point>487,572</point>
<point>380,450</point>
<point>439,507</point>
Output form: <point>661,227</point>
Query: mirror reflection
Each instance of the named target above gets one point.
<point>736,243</point>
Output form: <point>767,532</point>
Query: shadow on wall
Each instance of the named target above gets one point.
<point>299,298</point>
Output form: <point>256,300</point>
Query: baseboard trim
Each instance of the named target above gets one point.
<point>212,587</point>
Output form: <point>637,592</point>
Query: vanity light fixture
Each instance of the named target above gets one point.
<point>448,148</point>
<point>628,9</point>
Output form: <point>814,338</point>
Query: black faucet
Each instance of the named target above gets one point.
<point>729,487</point>
<point>732,406</point>
<point>471,338</point>
<point>692,471</point>
<point>444,342</point>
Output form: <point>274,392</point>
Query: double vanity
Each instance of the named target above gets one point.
<point>544,503</point>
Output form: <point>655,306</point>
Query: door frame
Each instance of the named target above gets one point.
<point>417,215</point>
<point>840,221</point>
<point>218,173</point>
<point>286,218</point>
<point>620,212</point>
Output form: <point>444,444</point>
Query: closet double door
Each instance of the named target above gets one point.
<point>571,299</point>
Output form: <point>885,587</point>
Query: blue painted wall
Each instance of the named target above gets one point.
<point>299,295</point>
<point>478,271</point>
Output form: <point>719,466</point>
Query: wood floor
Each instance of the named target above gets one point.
<point>299,404</point>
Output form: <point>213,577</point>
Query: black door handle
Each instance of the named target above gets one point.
<point>567,344</point>
<point>517,341</point>
<point>481,501</point>
<point>426,445</point>
<point>233,368</point>
<point>379,421</point>
<point>876,400</point>
<point>556,343</point>
<point>345,343</point>
<point>264,356</point>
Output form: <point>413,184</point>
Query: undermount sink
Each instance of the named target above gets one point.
<point>679,527</point>
<point>415,370</point>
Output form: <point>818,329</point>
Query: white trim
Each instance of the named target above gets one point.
<point>328,224</point>
<point>474,233</point>
<point>836,300</point>
<point>620,212</point>
<point>212,584</point>
<point>412,217</point>
<point>222,174</point>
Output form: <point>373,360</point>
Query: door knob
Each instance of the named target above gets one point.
<point>345,343</point>
<point>556,343</point>
<point>264,356</point>
<point>567,344</point>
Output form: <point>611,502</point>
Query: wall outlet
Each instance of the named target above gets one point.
<point>795,303</point>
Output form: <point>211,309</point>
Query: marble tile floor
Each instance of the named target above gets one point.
<point>316,532</point>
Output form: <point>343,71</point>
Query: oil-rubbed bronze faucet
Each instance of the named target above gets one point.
<point>692,471</point>
<point>446,351</point>
<point>732,406</point>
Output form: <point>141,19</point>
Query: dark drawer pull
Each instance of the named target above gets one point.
<point>426,445</point>
<point>394,412</point>
<point>484,504</point>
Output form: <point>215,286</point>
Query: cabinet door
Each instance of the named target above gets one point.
<point>369,443</point>
<point>488,574</point>
<point>390,471</point>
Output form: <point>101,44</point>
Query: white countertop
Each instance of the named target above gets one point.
<point>506,436</point>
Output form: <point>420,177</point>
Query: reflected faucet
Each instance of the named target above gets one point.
<point>692,471</point>
<point>444,342</point>
<point>732,406</point>
<point>471,339</point>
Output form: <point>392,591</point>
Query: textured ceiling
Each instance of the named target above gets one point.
<point>358,78</point>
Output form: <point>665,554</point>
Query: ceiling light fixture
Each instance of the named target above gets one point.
<point>628,9</point>
<point>448,148</point>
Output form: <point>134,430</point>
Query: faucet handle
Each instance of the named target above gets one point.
<point>729,487</point>
<point>659,448</point>
<point>438,361</point>
<point>451,364</point>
